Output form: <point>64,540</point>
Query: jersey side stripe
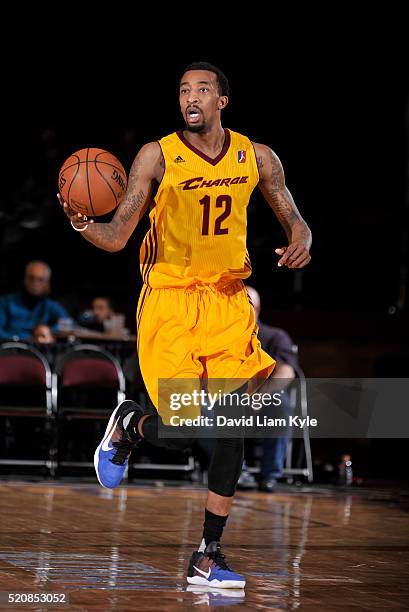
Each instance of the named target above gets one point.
<point>146,257</point>
<point>147,290</point>
<point>150,256</point>
<point>141,303</point>
<point>155,252</point>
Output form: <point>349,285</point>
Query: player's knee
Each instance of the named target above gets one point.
<point>226,465</point>
<point>150,431</point>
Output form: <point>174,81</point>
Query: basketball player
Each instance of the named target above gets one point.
<point>194,316</point>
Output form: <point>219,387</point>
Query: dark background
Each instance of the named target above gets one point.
<point>335,113</point>
<point>339,132</point>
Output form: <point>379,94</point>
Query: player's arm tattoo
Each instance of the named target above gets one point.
<point>132,201</point>
<point>278,196</point>
<point>103,235</point>
<point>107,236</point>
<point>132,205</point>
<point>145,171</point>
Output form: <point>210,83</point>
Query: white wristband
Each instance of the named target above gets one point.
<point>77,229</point>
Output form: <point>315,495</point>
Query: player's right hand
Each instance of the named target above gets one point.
<point>78,219</point>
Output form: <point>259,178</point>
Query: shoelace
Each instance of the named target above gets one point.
<point>124,447</point>
<point>219,559</point>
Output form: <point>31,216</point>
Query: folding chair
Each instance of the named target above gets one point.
<point>90,383</point>
<point>299,398</point>
<point>26,390</point>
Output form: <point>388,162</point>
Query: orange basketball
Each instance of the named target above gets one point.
<point>92,181</point>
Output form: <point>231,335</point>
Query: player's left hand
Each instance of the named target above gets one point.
<point>296,255</point>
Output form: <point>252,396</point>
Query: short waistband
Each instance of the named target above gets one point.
<point>225,286</point>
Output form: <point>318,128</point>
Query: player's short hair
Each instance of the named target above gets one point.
<point>222,81</point>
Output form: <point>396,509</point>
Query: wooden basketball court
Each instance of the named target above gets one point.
<point>128,549</point>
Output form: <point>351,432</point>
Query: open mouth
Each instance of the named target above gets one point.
<point>193,115</point>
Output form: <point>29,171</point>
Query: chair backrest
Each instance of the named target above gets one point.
<point>20,370</point>
<point>22,365</point>
<point>89,373</point>
<point>87,365</point>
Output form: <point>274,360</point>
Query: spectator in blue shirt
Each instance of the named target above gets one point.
<point>277,343</point>
<point>21,312</point>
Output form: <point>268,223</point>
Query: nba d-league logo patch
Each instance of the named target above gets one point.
<point>241,157</point>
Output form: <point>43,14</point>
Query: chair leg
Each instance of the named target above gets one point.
<point>53,447</point>
<point>306,434</point>
<point>288,458</point>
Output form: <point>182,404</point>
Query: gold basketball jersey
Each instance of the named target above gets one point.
<point>199,219</point>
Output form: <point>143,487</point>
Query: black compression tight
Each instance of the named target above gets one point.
<point>225,465</point>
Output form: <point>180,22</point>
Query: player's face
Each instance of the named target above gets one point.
<point>200,101</point>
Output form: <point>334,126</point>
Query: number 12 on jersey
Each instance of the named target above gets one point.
<point>222,201</point>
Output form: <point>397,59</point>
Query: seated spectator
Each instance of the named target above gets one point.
<point>98,315</point>
<point>277,343</point>
<point>42,334</point>
<point>21,312</point>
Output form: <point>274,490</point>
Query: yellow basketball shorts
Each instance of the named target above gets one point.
<point>196,334</point>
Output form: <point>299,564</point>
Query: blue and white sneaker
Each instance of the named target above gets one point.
<point>213,596</point>
<point>209,568</point>
<point>111,456</point>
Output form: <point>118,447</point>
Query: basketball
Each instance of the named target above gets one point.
<point>92,181</point>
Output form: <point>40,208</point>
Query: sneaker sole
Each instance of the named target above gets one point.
<point>107,431</point>
<point>218,584</point>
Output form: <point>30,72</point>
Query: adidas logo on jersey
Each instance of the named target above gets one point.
<point>179,159</point>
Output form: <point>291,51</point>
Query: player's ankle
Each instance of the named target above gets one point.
<point>213,527</point>
<point>131,425</point>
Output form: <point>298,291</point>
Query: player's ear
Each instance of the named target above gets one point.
<point>223,102</point>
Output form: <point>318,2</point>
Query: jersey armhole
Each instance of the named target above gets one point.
<point>164,166</point>
<point>255,159</point>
